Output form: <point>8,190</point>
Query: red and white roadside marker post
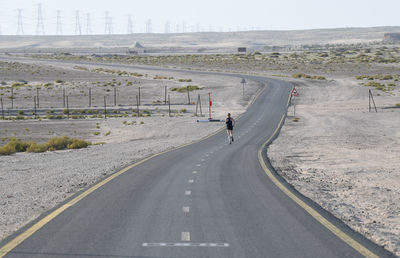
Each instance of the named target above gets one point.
<point>209,106</point>
<point>294,94</point>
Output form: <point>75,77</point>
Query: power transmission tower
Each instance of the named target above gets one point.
<point>108,24</point>
<point>183,27</point>
<point>88,24</point>
<point>198,28</point>
<point>78,30</point>
<point>59,23</point>
<point>20,28</point>
<point>40,25</point>
<point>167,28</point>
<point>148,26</point>
<point>130,25</point>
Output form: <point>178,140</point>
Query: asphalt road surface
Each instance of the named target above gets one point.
<point>208,199</point>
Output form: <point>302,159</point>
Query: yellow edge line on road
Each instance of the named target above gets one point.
<point>30,231</point>
<point>315,214</point>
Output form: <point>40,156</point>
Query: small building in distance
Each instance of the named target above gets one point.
<point>391,37</point>
<point>136,49</point>
<point>242,50</point>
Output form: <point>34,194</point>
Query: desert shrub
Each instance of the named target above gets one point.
<point>19,145</point>
<point>296,119</point>
<point>387,77</point>
<point>65,111</point>
<point>59,81</point>
<point>96,133</point>
<point>36,147</point>
<point>78,144</point>
<point>58,143</point>
<point>7,149</point>
<point>185,89</point>
<point>184,80</point>
<point>107,133</point>
<point>20,112</point>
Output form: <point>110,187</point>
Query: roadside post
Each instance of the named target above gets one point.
<point>294,94</point>
<point>243,82</point>
<point>209,106</point>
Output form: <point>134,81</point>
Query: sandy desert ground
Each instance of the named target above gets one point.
<point>345,158</point>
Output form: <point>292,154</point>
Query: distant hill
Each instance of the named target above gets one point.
<point>211,41</point>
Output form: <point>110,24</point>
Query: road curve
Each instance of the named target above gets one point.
<point>208,199</point>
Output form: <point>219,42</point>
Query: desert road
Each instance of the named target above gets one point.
<point>208,199</point>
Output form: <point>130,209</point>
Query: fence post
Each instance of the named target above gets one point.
<point>371,97</point>
<point>12,97</point>
<point>34,106</point>
<point>115,96</point>
<point>90,97</point>
<point>105,108</point>
<point>137,105</point>
<point>67,108</point>
<point>169,105</point>
<point>139,96</point>
<point>37,96</point>
<point>63,97</point>
<point>2,108</point>
<point>165,95</point>
<point>187,88</point>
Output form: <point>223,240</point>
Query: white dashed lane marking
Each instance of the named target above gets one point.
<point>191,181</point>
<point>185,245</point>
<point>188,192</point>
<point>194,172</point>
<point>186,209</point>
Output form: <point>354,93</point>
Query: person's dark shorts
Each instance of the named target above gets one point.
<point>229,128</point>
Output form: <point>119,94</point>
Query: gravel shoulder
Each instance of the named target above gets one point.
<point>345,158</point>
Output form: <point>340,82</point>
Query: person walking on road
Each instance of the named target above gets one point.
<point>230,122</point>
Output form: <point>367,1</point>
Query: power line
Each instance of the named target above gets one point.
<point>20,27</point>
<point>59,24</point>
<point>40,25</point>
<point>78,30</point>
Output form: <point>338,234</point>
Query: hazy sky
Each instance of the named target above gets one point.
<point>203,15</point>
